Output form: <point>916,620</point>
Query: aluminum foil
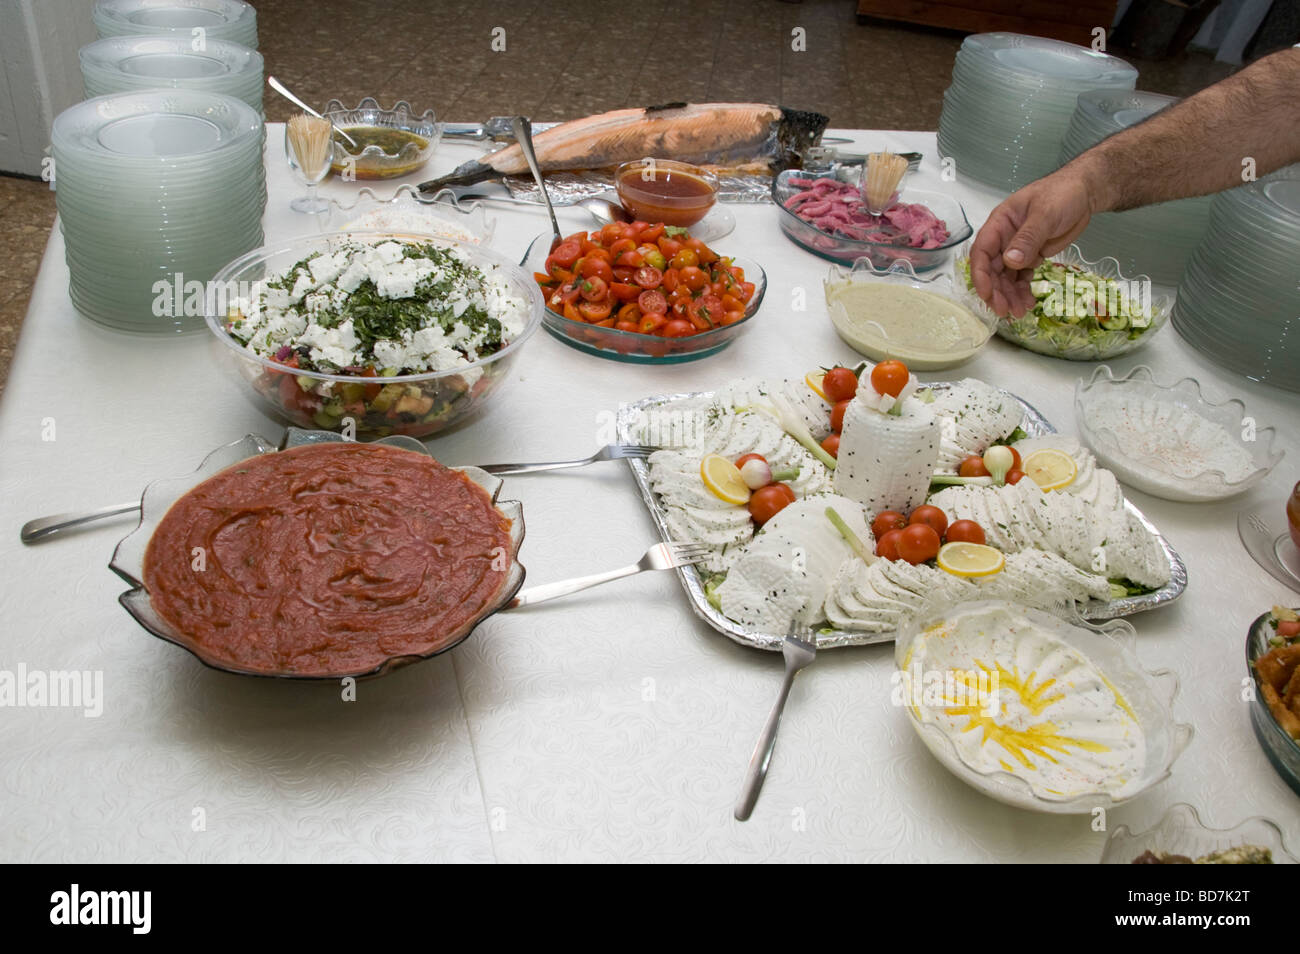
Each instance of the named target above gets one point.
<point>1034,424</point>
<point>566,188</point>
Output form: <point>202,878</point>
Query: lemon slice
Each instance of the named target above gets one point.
<point>1050,469</point>
<point>814,380</point>
<point>970,559</point>
<point>723,479</point>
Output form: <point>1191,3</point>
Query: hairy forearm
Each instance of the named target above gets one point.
<point>1202,144</point>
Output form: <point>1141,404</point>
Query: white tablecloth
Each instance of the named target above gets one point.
<point>608,726</point>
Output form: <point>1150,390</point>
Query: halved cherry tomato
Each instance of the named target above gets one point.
<point>611,233</point>
<point>594,289</point>
<point>651,323</point>
<point>652,302</point>
<point>668,245</point>
<point>672,278</point>
<point>630,259</point>
<point>1288,628</point>
<point>731,317</point>
<point>651,233</point>
<point>621,246</point>
<point>596,268</point>
<point>571,291</point>
<point>648,276</point>
<point>629,312</point>
<point>571,312</point>
<point>565,254</point>
<point>626,325</point>
<point>678,328</point>
<point>685,258</point>
<point>705,254</point>
<point>694,277</point>
<point>624,291</point>
<point>1014,476</point>
<point>594,311</point>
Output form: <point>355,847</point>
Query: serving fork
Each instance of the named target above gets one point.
<point>661,556</point>
<point>799,650</point>
<point>34,531</point>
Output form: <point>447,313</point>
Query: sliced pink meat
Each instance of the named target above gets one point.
<point>836,208</point>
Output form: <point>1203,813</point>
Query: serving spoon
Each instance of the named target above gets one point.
<point>524,133</point>
<point>283,90</point>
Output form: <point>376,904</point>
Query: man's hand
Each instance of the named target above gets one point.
<point>1032,224</point>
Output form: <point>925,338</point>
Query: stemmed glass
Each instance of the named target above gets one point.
<point>309,169</point>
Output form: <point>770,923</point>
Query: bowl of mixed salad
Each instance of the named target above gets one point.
<point>1083,310</point>
<point>373,333</point>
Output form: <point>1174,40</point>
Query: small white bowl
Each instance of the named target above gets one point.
<point>1180,831</point>
<point>1176,451</point>
<point>1110,647</point>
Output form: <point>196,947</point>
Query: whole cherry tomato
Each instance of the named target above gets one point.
<point>918,543</point>
<point>766,502</point>
<point>965,531</point>
<point>887,545</point>
<point>1014,476</point>
<point>885,521</point>
<point>889,377</point>
<point>837,415</point>
<point>839,384</point>
<point>832,445</point>
<point>931,516</point>
<point>973,466</point>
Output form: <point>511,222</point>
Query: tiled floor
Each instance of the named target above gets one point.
<point>563,60</point>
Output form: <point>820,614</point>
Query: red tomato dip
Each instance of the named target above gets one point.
<point>327,559</point>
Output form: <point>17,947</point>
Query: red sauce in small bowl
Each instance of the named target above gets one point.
<point>667,191</point>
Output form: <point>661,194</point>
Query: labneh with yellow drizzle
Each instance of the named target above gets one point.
<point>1015,696</point>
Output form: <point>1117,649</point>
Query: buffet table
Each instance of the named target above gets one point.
<point>608,726</point>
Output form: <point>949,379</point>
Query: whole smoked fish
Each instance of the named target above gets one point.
<point>703,133</point>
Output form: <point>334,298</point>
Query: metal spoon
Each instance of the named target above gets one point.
<point>524,134</point>
<point>280,88</point>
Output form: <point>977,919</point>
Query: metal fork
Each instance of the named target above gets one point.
<point>34,531</point>
<point>799,650</point>
<point>608,452</point>
<point>661,556</point>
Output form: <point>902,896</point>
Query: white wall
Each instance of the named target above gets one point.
<point>39,74</point>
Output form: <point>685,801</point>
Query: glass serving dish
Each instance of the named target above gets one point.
<point>634,347</point>
<point>841,248</point>
<point>1282,750</point>
<point>1168,451</point>
<point>1180,831</point>
<point>648,196</point>
<point>409,138</point>
<point>931,339</point>
<point>1073,342</point>
<point>128,558</point>
<point>409,210</point>
<point>417,405</point>
<point>1110,647</point>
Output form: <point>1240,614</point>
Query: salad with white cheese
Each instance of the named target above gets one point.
<point>333,327</point>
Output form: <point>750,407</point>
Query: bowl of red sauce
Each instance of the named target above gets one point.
<point>322,560</point>
<point>665,190</point>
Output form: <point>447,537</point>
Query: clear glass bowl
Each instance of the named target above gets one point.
<point>1109,646</point>
<point>841,248</point>
<point>1282,750</point>
<point>373,161</point>
<point>453,397</point>
<point>409,210</point>
<point>1186,420</point>
<point>634,347</point>
<point>128,558</point>
<point>925,346</point>
<point>1180,831</point>
<point>651,205</point>
<point>1072,342</point>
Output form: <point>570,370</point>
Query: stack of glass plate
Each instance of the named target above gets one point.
<point>119,64</point>
<point>1239,300</point>
<point>156,192</point>
<point>1156,240</point>
<point>1011,100</point>
<point>231,20</point>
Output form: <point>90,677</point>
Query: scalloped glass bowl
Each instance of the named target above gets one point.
<point>458,395</point>
<point>1076,344</point>
<point>1282,751</point>
<point>633,347</point>
<point>408,210</point>
<point>845,250</point>
<point>938,341</point>
<point>373,161</point>
<point>128,558</point>
<point>1185,420</point>
<point>1180,831</point>
<point>1110,646</point>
